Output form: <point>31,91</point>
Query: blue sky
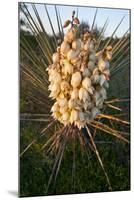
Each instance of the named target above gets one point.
<point>86,14</point>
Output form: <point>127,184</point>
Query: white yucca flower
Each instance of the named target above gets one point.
<point>65,47</point>
<point>56,58</point>
<point>55,77</point>
<point>83,94</point>
<point>55,90</point>
<point>102,64</point>
<point>65,116</point>
<point>74,93</point>
<point>74,116</point>
<point>68,67</point>
<point>86,73</point>
<point>78,78</point>
<point>76,44</point>
<point>55,107</point>
<point>62,102</point>
<point>86,83</point>
<point>91,65</point>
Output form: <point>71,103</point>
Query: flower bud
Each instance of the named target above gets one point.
<point>55,90</point>
<point>77,64</point>
<point>65,47</point>
<point>55,77</point>
<point>57,115</point>
<point>68,68</point>
<point>95,79</point>
<point>76,44</point>
<point>92,57</point>
<point>71,104</point>
<point>102,79</point>
<point>76,20</point>
<point>55,107</point>
<point>108,55</point>
<point>91,65</point>
<point>74,116</point>
<point>106,72</point>
<point>103,65</point>
<point>62,102</point>
<point>72,54</point>
<point>86,83</point>
<point>91,90</point>
<point>56,58</point>
<point>65,86</point>
<point>65,116</point>
<point>67,22</point>
<point>83,94</point>
<point>70,36</point>
<point>96,71</point>
<point>63,109</point>
<point>86,73</point>
<point>74,93</point>
<point>76,79</point>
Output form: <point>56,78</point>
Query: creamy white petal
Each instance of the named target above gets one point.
<point>86,73</point>
<point>65,47</point>
<point>76,44</point>
<point>55,107</point>
<point>103,65</point>
<point>71,104</point>
<point>86,83</point>
<point>74,116</point>
<point>65,116</point>
<point>83,94</point>
<point>56,58</point>
<point>92,57</point>
<point>74,93</point>
<point>76,79</point>
<point>91,65</point>
<point>62,102</point>
<point>72,54</point>
<point>102,79</point>
<point>70,36</point>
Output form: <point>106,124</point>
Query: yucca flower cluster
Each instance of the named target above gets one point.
<point>78,77</point>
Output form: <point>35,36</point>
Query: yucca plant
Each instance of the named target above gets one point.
<point>77,66</point>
